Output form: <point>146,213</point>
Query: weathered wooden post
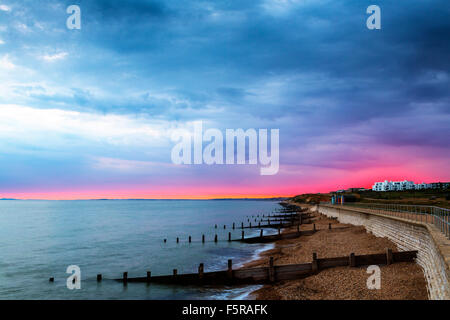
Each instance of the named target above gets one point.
<point>314,227</point>
<point>271,270</point>
<point>215,238</point>
<point>149,276</point>
<point>125,277</point>
<point>352,260</point>
<point>229,236</point>
<point>203,238</point>
<point>329,226</point>
<point>99,278</point>
<point>389,256</point>
<point>200,270</point>
<point>230,269</point>
<point>315,263</point>
<point>242,234</point>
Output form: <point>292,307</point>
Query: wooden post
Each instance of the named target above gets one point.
<point>329,226</point>
<point>149,276</point>
<point>314,227</point>
<point>271,270</point>
<point>315,264</point>
<point>229,236</point>
<point>301,218</point>
<point>215,238</point>
<point>298,228</point>
<point>389,256</point>
<point>352,260</point>
<point>279,231</point>
<point>230,269</point>
<point>242,234</point>
<point>261,233</point>
<point>99,277</point>
<point>242,225</point>
<point>125,277</point>
<point>200,270</point>
<point>203,238</point>
<point>190,239</point>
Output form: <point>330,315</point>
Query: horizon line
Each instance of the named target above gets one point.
<point>152,199</point>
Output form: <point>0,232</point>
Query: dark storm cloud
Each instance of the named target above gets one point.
<point>255,62</point>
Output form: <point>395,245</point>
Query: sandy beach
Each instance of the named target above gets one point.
<point>399,281</point>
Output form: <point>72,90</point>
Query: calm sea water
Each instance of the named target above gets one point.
<point>40,239</point>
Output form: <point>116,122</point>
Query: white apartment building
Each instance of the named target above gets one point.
<point>394,185</point>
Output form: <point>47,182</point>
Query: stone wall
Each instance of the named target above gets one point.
<point>407,236</point>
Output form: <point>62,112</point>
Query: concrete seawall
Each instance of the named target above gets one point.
<point>432,246</point>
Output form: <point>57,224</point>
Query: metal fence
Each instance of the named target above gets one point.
<point>440,217</point>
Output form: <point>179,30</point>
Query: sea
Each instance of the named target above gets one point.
<point>41,239</point>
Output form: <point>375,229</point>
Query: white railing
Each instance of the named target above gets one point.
<point>440,217</point>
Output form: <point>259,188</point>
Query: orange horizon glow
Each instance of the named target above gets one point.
<point>280,186</point>
<point>141,197</point>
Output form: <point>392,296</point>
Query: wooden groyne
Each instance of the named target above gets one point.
<point>266,238</point>
<point>268,225</point>
<point>272,273</point>
<point>287,221</point>
<point>276,237</point>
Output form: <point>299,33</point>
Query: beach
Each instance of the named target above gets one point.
<point>398,281</point>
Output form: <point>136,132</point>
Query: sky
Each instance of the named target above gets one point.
<point>89,113</point>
